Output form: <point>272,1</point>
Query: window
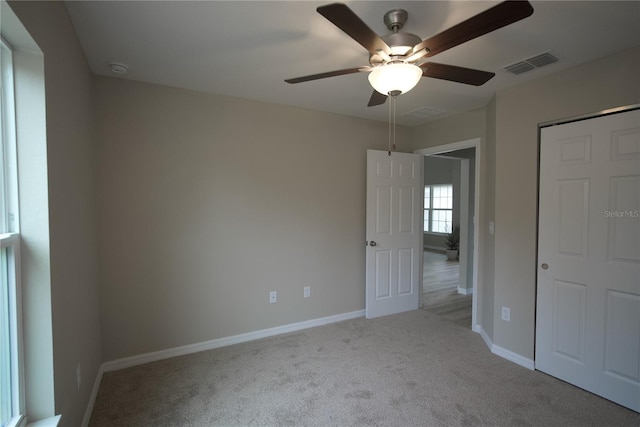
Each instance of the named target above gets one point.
<point>11,366</point>
<point>438,208</point>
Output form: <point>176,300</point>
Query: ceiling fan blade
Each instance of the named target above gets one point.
<point>456,74</point>
<point>376,99</point>
<point>324,75</point>
<point>345,19</point>
<point>499,16</point>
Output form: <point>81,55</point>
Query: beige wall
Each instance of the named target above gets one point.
<point>460,127</point>
<point>486,241</point>
<point>72,205</point>
<point>609,82</point>
<point>438,170</point>
<point>207,203</point>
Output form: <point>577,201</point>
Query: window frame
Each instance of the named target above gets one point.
<point>10,239</point>
<point>10,242</point>
<point>429,209</point>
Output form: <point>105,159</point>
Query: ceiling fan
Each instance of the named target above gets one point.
<point>397,60</point>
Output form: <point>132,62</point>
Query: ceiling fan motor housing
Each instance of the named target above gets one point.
<point>395,19</point>
<point>399,42</point>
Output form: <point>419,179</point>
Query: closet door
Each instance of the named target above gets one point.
<point>588,296</point>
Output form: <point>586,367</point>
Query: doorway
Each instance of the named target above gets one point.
<point>467,154</point>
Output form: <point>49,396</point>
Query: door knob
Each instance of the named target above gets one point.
<point>545,266</point>
<point>372,243</point>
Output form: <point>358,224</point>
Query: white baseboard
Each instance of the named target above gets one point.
<point>483,334</point>
<point>503,352</point>
<point>141,359</point>
<point>465,291</point>
<point>92,397</point>
<point>513,357</point>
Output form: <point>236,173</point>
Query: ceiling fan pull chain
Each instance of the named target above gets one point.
<point>394,121</point>
<point>389,128</point>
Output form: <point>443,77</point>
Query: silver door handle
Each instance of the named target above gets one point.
<point>372,243</point>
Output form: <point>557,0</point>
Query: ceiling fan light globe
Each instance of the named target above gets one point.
<point>395,77</point>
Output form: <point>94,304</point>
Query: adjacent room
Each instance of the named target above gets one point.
<point>229,213</point>
<point>447,284</point>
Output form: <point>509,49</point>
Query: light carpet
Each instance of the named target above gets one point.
<point>411,369</point>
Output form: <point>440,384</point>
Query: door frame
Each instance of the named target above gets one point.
<point>447,148</point>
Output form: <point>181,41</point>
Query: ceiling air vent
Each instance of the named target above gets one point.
<point>519,67</point>
<point>531,63</point>
<point>542,60</point>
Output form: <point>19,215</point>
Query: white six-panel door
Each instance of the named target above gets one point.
<point>588,296</point>
<point>393,254</point>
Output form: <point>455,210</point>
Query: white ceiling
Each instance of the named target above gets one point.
<point>246,49</point>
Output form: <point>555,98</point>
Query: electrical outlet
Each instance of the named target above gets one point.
<point>506,314</point>
<point>273,297</point>
<point>78,375</point>
<point>307,291</point>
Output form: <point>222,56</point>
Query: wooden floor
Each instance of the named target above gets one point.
<point>440,289</point>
